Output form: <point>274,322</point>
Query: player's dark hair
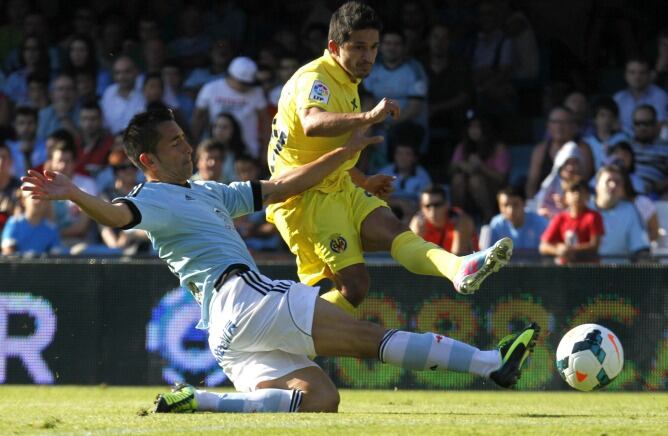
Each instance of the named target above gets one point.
<point>513,191</point>
<point>142,136</point>
<point>26,111</point>
<point>352,16</point>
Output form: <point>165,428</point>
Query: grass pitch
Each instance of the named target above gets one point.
<point>116,411</point>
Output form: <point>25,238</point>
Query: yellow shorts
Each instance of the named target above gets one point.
<point>323,229</point>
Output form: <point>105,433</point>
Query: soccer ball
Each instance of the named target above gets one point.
<point>589,357</point>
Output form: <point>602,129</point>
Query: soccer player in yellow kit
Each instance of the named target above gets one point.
<point>329,226</point>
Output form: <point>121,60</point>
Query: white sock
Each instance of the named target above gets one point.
<point>262,400</point>
<point>433,351</point>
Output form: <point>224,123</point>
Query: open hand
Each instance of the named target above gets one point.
<point>359,140</point>
<point>48,185</point>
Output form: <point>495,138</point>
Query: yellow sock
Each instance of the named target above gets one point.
<point>335,297</point>
<point>421,257</point>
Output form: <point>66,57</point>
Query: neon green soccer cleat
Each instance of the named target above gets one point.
<point>180,400</point>
<point>514,350</point>
<point>477,266</point>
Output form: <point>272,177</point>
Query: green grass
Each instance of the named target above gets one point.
<point>116,411</point>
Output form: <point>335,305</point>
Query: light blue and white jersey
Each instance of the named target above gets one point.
<point>192,230</point>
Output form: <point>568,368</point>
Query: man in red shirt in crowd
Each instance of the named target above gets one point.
<point>445,226</point>
<point>574,235</point>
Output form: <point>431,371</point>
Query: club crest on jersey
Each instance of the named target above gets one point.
<point>319,92</point>
<point>338,243</point>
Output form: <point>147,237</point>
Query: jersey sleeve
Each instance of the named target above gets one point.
<point>241,198</point>
<point>313,90</point>
<point>148,213</point>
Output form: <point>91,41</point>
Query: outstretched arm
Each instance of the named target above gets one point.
<point>51,185</point>
<point>302,178</point>
<point>318,122</point>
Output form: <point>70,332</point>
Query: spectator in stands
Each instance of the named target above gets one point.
<point>122,100</point>
<point>172,78</point>
<point>128,242</point>
<point>492,63</point>
<point>625,236</point>
<point>34,59</point>
<point>622,155</point>
<point>414,18</point>
<point>81,59</point>
<point>560,129</point>
<point>449,98</point>
<point>567,168</point>
<point>226,131</point>
<point>287,66</point>
<point>257,233</point>
<point>402,79</point>
<point>314,39</point>
<point>8,185</point>
<point>574,235</point>
<point>526,58</point>
<point>643,204</point>
<point>27,150</point>
<point>606,132</point>
<point>640,91</point>
<point>38,91</point>
<point>220,55</point>
<point>15,12</point>
<point>650,154</point>
<point>577,102</point>
<point>153,88</point>
<point>660,73</point>
<point>73,224</point>
<point>236,94</point>
<point>30,233</point>
<point>193,43</point>
<point>110,41</point>
<point>479,165</point>
<point>63,112</point>
<point>524,227</point>
<point>209,161</point>
<point>410,178</point>
<point>95,141</point>
<point>445,226</point>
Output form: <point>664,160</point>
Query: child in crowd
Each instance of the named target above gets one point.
<point>574,235</point>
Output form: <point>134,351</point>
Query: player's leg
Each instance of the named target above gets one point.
<point>381,230</point>
<point>335,333</point>
<point>318,393</point>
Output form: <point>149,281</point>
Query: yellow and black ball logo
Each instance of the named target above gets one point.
<point>338,243</point>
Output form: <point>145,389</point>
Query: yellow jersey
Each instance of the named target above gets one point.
<point>324,84</point>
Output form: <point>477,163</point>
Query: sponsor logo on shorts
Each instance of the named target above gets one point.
<point>319,92</point>
<point>338,243</point>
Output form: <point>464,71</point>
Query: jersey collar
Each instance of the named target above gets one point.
<point>336,71</point>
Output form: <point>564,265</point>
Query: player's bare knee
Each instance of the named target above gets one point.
<point>320,400</point>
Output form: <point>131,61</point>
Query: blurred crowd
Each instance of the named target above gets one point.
<point>542,121</point>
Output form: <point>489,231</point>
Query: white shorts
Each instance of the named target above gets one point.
<point>260,329</point>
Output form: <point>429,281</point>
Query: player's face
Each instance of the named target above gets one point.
<point>172,162</point>
<point>358,54</point>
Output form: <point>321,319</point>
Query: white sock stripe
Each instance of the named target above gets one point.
<point>296,400</point>
<point>383,344</point>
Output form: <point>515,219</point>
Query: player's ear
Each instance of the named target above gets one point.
<point>146,160</point>
<point>333,47</point>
